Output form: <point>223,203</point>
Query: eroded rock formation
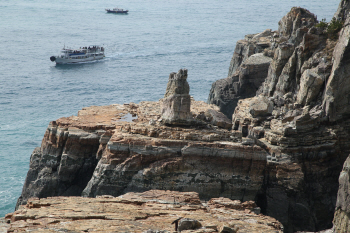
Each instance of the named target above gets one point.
<point>252,65</point>
<point>177,100</point>
<point>248,69</point>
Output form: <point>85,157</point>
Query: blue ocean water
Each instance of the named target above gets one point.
<point>142,49</point>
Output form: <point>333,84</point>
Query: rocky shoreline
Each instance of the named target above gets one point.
<point>275,131</point>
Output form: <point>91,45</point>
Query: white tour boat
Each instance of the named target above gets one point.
<point>85,54</point>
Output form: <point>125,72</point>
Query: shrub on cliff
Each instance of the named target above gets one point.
<point>322,24</point>
<point>332,28</point>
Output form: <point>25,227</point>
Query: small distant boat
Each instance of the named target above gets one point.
<point>85,54</point>
<point>117,10</point>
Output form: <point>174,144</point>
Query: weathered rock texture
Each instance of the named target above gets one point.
<point>152,211</point>
<point>337,96</point>
<point>343,10</point>
<point>248,69</point>
<point>177,100</point>
<point>3,225</point>
<point>299,115</point>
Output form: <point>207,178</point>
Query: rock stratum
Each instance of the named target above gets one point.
<point>287,94</point>
<point>149,212</point>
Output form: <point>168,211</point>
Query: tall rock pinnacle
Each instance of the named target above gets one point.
<point>177,101</point>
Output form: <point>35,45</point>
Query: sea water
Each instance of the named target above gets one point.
<point>142,48</point>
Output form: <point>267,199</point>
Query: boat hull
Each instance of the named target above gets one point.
<point>71,60</point>
<point>117,12</point>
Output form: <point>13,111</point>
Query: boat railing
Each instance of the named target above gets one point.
<point>93,50</point>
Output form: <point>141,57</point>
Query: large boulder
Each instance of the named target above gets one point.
<point>189,224</point>
<point>218,118</point>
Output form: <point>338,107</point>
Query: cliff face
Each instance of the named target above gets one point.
<point>142,154</point>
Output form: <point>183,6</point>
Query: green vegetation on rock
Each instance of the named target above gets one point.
<point>332,28</point>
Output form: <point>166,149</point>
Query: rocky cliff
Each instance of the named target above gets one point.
<point>299,113</point>
<point>284,147</point>
<point>263,56</point>
<point>143,153</point>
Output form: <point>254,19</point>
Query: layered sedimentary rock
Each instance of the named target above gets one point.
<point>152,211</point>
<point>299,115</point>
<point>120,148</point>
<point>141,156</point>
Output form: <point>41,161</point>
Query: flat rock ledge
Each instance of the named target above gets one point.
<point>151,211</point>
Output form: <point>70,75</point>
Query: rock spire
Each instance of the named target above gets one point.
<point>176,108</point>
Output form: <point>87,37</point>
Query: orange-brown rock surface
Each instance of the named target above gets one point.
<point>138,212</point>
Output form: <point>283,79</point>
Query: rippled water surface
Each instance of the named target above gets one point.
<point>142,49</point>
